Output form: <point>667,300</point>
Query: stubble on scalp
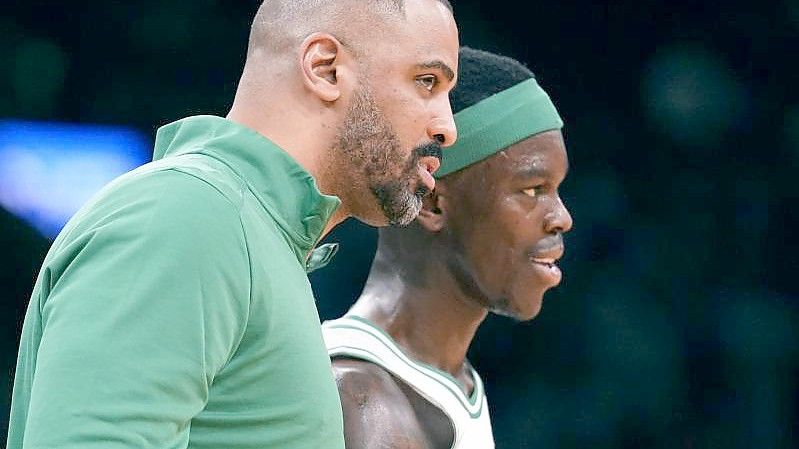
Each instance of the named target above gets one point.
<point>280,25</point>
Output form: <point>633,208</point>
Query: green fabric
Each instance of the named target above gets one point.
<point>498,122</point>
<point>321,256</point>
<point>174,310</point>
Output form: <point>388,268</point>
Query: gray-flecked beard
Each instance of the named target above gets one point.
<point>399,205</point>
<point>373,149</point>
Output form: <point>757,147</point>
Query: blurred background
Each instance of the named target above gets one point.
<point>676,324</point>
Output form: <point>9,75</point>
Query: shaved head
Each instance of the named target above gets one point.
<point>280,25</point>
<point>357,92</point>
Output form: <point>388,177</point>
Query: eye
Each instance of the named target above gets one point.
<point>428,82</point>
<point>534,191</point>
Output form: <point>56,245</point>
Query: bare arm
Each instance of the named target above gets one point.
<point>377,414</point>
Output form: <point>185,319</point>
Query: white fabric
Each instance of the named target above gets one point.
<point>357,338</point>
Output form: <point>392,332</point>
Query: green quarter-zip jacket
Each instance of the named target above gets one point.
<point>174,309</point>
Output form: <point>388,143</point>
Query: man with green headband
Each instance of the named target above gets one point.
<point>487,240</point>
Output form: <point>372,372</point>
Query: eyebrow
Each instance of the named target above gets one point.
<point>438,64</point>
<point>536,172</point>
<point>531,172</point>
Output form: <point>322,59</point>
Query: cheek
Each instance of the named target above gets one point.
<point>495,254</point>
<point>517,223</point>
<point>510,236</point>
<point>407,115</point>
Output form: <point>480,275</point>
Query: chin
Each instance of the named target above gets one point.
<point>529,313</point>
<point>391,207</point>
<point>520,309</point>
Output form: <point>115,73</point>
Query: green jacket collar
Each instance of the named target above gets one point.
<point>287,192</point>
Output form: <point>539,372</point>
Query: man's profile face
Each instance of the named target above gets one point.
<point>372,149</point>
<point>400,116</point>
<point>505,222</point>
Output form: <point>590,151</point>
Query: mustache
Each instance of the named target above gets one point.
<point>429,149</point>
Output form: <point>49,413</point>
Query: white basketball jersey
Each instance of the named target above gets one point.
<point>356,337</point>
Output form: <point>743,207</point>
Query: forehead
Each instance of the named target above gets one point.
<point>426,34</point>
<point>429,13</point>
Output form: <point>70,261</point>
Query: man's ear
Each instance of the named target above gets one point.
<point>321,57</point>
<point>433,215</point>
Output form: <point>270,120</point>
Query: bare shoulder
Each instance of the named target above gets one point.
<point>377,412</point>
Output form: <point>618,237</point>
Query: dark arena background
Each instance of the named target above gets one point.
<point>677,322</point>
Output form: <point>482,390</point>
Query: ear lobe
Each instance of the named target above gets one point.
<point>320,54</point>
<point>432,215</point>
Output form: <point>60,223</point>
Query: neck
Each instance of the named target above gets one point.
<point>289,128</point>
<point>420,306</point>
<point>338,216</point>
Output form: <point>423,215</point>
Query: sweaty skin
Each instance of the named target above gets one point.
<point>471,251</point>
<point>380,411</point>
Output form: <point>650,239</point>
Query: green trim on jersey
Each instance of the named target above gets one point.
<point>440,376</point>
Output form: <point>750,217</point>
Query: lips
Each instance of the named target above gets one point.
<point>430,163</point>
<point>427,179</point>
<point>548,255</point>
<point>545,262</point>
<point>549,274</point>
<point>427,166</point>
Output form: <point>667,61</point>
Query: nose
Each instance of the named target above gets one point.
<point>559,220</point>
<point>442,127</point>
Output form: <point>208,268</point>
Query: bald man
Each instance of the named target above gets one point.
<point>487,240</point>
<point>174,310</point>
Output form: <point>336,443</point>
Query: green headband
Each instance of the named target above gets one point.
<point>497,122</point>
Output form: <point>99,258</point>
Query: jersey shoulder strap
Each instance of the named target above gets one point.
<point>356,337</point>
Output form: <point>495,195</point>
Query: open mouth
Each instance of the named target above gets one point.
<point>427,181</point>
<point>547,267</point>
<point>549,263</point>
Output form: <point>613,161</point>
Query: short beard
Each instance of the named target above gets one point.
<point>375,158</point>
<point>399,205</point>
